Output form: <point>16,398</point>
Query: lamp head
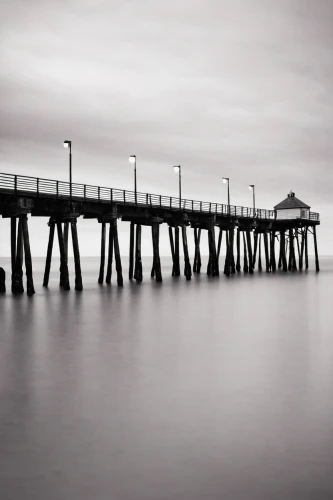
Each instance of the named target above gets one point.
<point>67,143</point>
<point>225,180</point>
<point>176,169</point>
<point>132,159</point>
<point>251,187</point>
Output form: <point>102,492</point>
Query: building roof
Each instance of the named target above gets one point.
<point>291,202</point>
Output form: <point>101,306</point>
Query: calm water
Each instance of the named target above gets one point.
<point>213,389</point>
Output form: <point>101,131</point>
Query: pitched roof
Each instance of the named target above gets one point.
<point>291,202</point>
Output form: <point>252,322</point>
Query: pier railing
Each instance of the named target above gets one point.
<point>39,187</point>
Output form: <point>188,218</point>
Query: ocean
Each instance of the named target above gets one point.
<point>213,389</point>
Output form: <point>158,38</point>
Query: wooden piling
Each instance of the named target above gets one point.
<point>110,256</point>
<point>315,247</point>
<point>280,252</point>
<point>177,263</point>
<point>187,266</point>
<point>197,256</point>
<point>266,253</point>
<point>249,250</point>
<point>238,266</point>
<point>292,250</point>
<point>138,261</point>
<point>255,236</point>
<point>64,277</point>
<point>259,256</point>
<point>172,247</point>
<point>13,249</point>
<point>214,260</point>
<point>227,261</point>
<point>219,243</point>
<point>272,242</point>
<point>306,248</point>
<point>18,274</point>
<point>302,251</point>
<point>27,254</point>
<point>76,252</point>
<point>231,250</point>
<point>210,259</point>
<point>66,228</point>
<point>51,225</point>
<point>2,280</point>
<point>102,262</point>
<point>283,251</point>
<point>131,252</point>
<point>119,270</point>
<point>246,265</point>
<point>156,269</point>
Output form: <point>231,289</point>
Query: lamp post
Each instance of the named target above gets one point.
<point>226,180</point>
<point>66,145</point>
<point>132,159</point>
<point>178,170</point>
<point>252,188</point>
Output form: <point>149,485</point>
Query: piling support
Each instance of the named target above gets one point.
<point>280,252</point>
<point>210,259</point>
<point>214,260</point>
<point>51,225</point>
<point>66,229</point>
<point>197,256</point>
<point>249,249</point>
<point>2,280</point>
<point>64,278</point>
<point>292,250</point>
<point>76,252</point>
<point>131,252</point>
<point>187,266</point>
<point>259,256</point>
<point>302,251</point>
<point>177,264</point>
<point>119,270</point>
<point>138,261</point>
<point>102,262</point>
<point>13,249</point>
<point>273,261</point>
<point>110,256</point>
<point>246,265</point>
<point>219,243</point>
<point>315,247</point>
<point>255,248</point>
<point>298,248</point>
<point>27,254</point>
<point>231,249</point>
<point>283,251</point>
<point>172,247</point>
<point>306,248</point>
<point>238,266</point>
<point>156,259</point>
<point>227,261</point>
<point>18,273</point>
<point>266,252</point>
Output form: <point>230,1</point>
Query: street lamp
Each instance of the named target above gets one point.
<point>226,180</point>
<point>132,159</point>
<point>252,188</point>
<point>66,145</point>
<point>178,170</point>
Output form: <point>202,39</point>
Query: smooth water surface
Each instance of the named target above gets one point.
<point>211,389</point>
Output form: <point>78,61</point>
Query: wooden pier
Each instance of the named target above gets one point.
<point>63,204</point>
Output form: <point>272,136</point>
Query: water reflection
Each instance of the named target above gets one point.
<point>209,389</point>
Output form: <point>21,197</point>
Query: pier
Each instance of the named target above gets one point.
<point>266,240</point>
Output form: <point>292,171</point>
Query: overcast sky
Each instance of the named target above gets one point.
<point>238,88</point>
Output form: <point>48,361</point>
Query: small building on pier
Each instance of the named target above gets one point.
<point>292,208</point>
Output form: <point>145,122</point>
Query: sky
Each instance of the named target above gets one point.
<point>235,88</point>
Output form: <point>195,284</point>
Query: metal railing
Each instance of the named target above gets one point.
<point>38,187</point>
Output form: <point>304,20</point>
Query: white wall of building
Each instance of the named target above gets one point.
<point>293,213</point>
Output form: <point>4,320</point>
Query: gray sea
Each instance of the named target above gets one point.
<point>214,389</point>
